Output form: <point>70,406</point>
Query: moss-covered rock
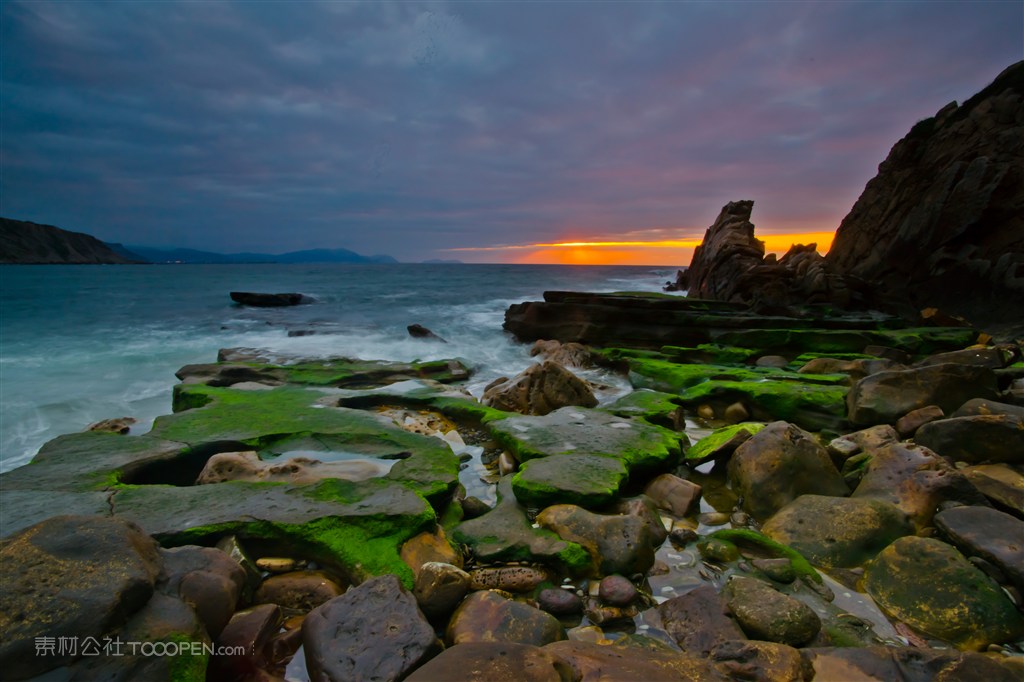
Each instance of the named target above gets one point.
<point>753,544</point>
<point>585,480</point>
<point>660,409</point>
<point>506,534</point>
<point>673,377</point>
<point>711,353</point>
<point>578,431</point>
<point>722,442</point>
<point>932,587</point>
<point>838,531</point>
<point>273,419</point>
<point>766,614</point>
<point>616,543</point>
<point>809,406</point>
<point>356,527</point>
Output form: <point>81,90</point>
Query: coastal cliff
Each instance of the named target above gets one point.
<point>25,242</point>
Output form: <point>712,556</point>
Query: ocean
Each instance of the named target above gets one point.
<point>83,343</point>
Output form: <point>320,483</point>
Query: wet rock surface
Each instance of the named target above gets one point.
<point>489,617</point>
<point>540,389</point>
<point>373,631</point>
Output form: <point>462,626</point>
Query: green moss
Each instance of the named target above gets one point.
<point>651,406</point>
<point>673,377</point>
<point>705,448</point>
<point>712,353</point>
<point>186,666</point>
<point>614,355</point>
<point>465,408</point>
<point>717,549</point>
<point>809,406</point>
<point>361,546</point>
<point>804,358</point>
<point>743,537</point>
<point>585,480</point>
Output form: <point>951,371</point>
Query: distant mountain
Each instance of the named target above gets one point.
<point>26,242</point>
<point>309,256</point>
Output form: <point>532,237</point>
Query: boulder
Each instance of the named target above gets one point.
<point>865,440</point>
<point>249,633</point>
<point>439,588</point>
<point>643,507</point>
<point>978,406</point>
<point>509,578</point>
<point>980,357</point>
<point>298,590</point>
<point>721,443</point>
<point>489,617</point>
<point>207,579</point>
<point>933,588</point>
<point>372,632</point>
<point>885,397</point>
<point>994,438</point>
<point>565,354</point>
<point>1001,484</point>
<point>72,576</point>
<point>540,389</point>
<point>258,300</point>
<point>615,543</point>
<point>699,620</point>
<point>673,494</point>
<point>916,480</point>
<point>777,465</point>
<point>493,661</point>
<point>942,223</point>
<point>837,532</point>
<point>987,533</point>
<point>765,613</point>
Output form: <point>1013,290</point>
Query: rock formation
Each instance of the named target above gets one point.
<point>942,223</point>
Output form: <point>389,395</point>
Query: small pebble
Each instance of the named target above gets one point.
<point>617,590</point>
<point>275,564</point>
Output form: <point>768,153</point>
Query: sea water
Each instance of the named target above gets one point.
<point>79,344</point>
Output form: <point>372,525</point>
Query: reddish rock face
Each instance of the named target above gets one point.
<point>943,221</point>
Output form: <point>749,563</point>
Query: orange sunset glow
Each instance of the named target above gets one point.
<point>672,252</point>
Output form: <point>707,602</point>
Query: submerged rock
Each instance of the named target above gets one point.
<point>932,587</point>
<point>373,632</point>
<point>259,300</point>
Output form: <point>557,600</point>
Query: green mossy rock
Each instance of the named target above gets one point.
<point>506,534</point>
<point>830,341</point>
<point>764,613</point>
<point>838,531</point>
<point>932,587</point>
<point>584,480</point>
<point>579,431</point>
<point>809,406</point>
<point>660,409</point>
<point>356,527</point>
<point>722,442</point>
<point>710,353</point>
<point>754,544</point>
<point>673,377</point>
<point>270,419</point>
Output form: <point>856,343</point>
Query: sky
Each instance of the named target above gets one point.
<point>529,132</point>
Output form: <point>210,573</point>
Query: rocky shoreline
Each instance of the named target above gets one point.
<point>806,482</point>
<point>738,516</point>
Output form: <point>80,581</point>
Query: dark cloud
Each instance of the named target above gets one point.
<point>410,128</point>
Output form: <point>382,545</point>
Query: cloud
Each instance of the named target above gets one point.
<point>412,128</point>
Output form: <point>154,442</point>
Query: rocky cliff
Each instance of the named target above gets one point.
<point>942,224</point>
<point>26,242</point>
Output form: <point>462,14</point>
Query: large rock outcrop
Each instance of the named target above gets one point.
<point>942,223</point>
<point>730,265</point>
